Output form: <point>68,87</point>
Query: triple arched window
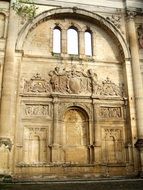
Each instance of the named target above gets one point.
<point>73,42</point>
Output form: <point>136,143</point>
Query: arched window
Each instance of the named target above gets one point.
<point>57,40</point>
<point>72,41</point>
<point>88,43</point>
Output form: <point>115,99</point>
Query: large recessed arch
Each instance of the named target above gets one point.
<point>74,12</point>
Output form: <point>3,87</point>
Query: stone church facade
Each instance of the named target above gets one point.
<point>67,114</point>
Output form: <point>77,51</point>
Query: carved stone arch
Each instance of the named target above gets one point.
<point>82,110</point>
<point>81,13</point>
<point>74,26</point>
<point>76,138</point>
<point>67,107</point>
<point>57,25</point>
<point>87,28</point>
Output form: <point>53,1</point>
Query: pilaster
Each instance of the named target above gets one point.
<point>9,92</point>
<point>137,79</point>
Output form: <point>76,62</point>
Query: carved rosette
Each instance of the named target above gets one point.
<point>72,81</point>
<point>6,142</point>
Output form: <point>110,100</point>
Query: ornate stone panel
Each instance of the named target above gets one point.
<point>35,145</point>
<point>111,113</point>
<point>36,85</point>
<point>34,110</point>
<point>112,145</point>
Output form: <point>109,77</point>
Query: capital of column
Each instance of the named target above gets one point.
<point>139,144</point>
<point>6,141</point>
<point>130,14</point>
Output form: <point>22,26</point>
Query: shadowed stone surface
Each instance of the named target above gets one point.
<point>132,184</point>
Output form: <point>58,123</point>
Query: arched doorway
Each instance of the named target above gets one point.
<point>76,138</point>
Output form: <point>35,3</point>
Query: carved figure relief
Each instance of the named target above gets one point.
<point>110,112</point>
<point>36,85</point>
<point>72,82</point>
<point>112,146</point>
<point>35,149</point>
<point>140,36</point>
<point>2,25</point>
<point>36,110</point>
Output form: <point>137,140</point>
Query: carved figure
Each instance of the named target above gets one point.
<point>140,36</point>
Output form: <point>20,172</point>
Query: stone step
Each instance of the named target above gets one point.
<point>101,184</point>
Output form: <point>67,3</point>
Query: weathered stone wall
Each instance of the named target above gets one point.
<point>65,115</point>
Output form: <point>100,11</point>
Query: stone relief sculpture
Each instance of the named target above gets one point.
<point>36,85</point>
<point>116,20</point>
<point>36,110</point>
<point>110,112</point>
<point>71,82</point>
<point>2,25</point>
<point>140,36</point>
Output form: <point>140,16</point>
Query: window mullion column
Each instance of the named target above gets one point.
<point>93,44</point>
<point>64,41</point>
<point>81,44</point>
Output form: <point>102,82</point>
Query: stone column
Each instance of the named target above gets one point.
<point>97,141</point>
<point>81,43</point>
<point>64,41</point>
<point>94,44</point>
<point>56,132</point>
<point>137,79</point>
<point>9,90</point>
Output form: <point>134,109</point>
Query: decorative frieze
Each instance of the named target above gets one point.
<point>62,81</point>
<point>37,110</point>
<point>110,112</point>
